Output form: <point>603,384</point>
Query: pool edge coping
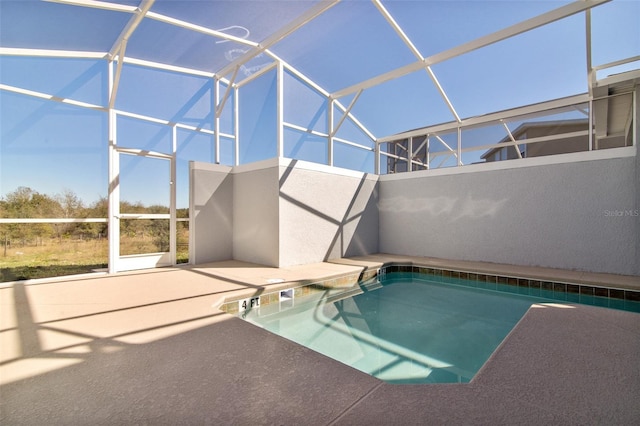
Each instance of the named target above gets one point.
<point>347,281</point>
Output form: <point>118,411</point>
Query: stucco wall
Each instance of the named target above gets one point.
<point>569,211</point>
<point>325,213</point>
<point>282,212</point>
<point>637,181</point>
<point>211,205</point>
<point>564,215</point>
<point>255,213</point>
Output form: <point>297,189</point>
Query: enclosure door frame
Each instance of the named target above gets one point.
<point>117,261</point>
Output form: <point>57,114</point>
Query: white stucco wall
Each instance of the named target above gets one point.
<point>255,213</point>
<point>561,215</point>
<point>211,212</point>
<point>571,211</point>
<point>282,212</point>
<point>325,213</point>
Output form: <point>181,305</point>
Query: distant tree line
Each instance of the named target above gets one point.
<point>25,203</point>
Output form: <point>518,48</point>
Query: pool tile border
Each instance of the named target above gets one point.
<point>562,290</point>
<point>569,291</point>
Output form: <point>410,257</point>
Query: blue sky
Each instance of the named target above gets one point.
<point>50,146</point>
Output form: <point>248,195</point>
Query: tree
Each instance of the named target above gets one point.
<point>70,206</point>
<point>99,209</point>
<point>26,203</point>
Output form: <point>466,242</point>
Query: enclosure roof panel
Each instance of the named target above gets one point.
<point>251,20</point>
<point>46,25</point>
<point>461,59</point>
<point>348,43</point>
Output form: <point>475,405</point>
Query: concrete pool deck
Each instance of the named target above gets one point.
<point>151,347</point>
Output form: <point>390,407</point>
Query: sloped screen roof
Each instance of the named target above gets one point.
<point>340,44</point>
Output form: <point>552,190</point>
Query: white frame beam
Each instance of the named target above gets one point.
<point>590,71</point>
<point>54,220</point>
<point>173,198</point>
<point>47,53</point>
<point>120,46</point>
<point>236,126</point>
<point>172,68</point>
<point>410,154</point>
<point>304,130</point>
<point>257,74</point>
<point>345,114</point>
<point>113,193</point>
<point>407,41</point>
<point>330,120</point>
<point>446,145</point>
<point>97,5</point>
<point>216,120</point>
<point>616,63</point>
<point>524,26</point>
<point>49,97</point>
<point>132,25</point>
<point>296,73</point>
<point>220,105</point>
<point>280,110</point>
<point>165,122</point>
<point>116,81</point>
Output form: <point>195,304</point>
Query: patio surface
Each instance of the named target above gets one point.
<point>151,347</point>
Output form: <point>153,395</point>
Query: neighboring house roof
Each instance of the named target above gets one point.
<point>555,127</point>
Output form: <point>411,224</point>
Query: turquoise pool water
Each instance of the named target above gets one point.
<point>402,329</point>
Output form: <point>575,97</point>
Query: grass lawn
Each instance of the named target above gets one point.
<point>58,258</point>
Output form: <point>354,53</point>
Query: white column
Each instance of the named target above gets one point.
<point>173,225</point>
<point>410,154</point>
<point>330,102</point>
<point>114,185</point>
<point>216,120</point>
<point>459,150</point>
<point>236,126</point>
<point>280,110</point>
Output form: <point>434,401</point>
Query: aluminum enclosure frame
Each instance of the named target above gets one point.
<point>228,76</point>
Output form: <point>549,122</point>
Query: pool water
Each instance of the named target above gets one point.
<point>402,329</point>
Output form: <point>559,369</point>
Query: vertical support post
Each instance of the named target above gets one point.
<point>280,109</point>
<point>330,118</point>
<point>428,152</point>
<point>236,126</point>
<point>410,154</point>
<point>459,150</point>
<point>377,158</point>
<point>591,130</point>
<point>173,199</point>
<point>173,223</point>
<point>216,120</point>
<point>590,73</point>
<point>192,215</point>
<point>113,196</point>
<point>636,118</point>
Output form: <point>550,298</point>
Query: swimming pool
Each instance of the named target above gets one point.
<point>403,328</point>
